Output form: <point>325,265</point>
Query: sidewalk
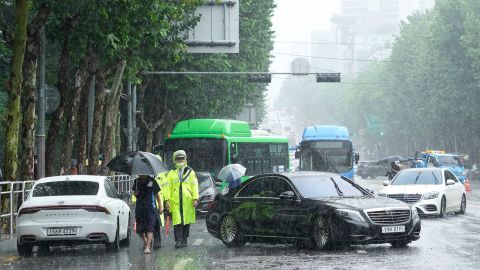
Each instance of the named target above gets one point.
<point>8,243</point>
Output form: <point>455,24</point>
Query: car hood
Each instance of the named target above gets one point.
<point>410,189</point>
<point>208,191</point>
<point>362,203</point>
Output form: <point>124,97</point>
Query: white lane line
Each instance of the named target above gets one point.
<point>361,251</point>
<point>197,242</point>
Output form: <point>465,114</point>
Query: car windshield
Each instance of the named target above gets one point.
<point>204,182</point>
<point>418,178</point>
<point>65,188</point>
<point>314,186</point>
<point>328,156</point>
<point>450,160</point>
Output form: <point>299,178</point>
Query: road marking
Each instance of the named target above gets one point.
<point>361,251</point>
<point>197,242</point>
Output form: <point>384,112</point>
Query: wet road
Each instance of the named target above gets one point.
<point>446,243</point>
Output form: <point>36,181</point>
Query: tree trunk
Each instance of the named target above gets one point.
<point>28,107</point>
<point>14,85</point>
<point>111,110</point>
<point>54,130</point>
<point>71,116</point>
<point>93,166</point>
<point>82,127</point>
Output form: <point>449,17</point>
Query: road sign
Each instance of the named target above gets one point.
<point>218,28</point>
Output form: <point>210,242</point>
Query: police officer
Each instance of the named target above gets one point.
<point>182,197</point>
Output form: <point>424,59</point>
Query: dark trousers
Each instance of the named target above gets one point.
<point>181,232</point>
<point>157,236</point>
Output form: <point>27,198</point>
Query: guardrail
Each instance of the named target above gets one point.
<point>123,183</point>
<point>11,201</point>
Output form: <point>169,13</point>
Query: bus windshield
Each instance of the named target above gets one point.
<point>207,155</point>
<point>327,156</point>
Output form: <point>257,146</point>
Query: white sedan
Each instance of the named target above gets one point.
<point>73,209</point>
<point>434,191</point>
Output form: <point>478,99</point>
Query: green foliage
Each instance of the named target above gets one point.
<point>181,97</point>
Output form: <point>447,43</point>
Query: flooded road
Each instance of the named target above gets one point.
<point>446,243</point>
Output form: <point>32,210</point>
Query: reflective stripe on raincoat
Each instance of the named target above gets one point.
<point>189,193</point>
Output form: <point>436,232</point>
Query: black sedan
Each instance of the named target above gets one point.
<point>323,210</point>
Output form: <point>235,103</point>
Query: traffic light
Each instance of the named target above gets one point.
<point>260,78</point>
<point>328,77</point>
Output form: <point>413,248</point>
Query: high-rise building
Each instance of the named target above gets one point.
<point>365,30</point>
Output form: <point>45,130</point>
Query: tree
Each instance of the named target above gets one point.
<point>14,86</point>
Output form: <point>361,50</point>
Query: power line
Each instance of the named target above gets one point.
<point>346,59</point>
<point>334,43</point>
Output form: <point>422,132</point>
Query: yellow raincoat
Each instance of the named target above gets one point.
<point>189,190</point>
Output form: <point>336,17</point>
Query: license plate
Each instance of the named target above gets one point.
<point>393,229</point>
<point>61,231</point>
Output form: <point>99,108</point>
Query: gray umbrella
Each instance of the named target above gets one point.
<point>137,163</point>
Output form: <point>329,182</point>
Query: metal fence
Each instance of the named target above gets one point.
<point>12,195</point>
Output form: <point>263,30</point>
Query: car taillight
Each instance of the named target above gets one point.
<point>26,211</point>
<point>96,209</point>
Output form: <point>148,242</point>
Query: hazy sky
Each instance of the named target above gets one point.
<point>293,21</point>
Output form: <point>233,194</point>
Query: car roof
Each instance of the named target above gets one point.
<point>425,169</point>
<point>308,173</point>
<point>91,178</point>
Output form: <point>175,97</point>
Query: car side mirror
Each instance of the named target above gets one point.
<point>288,195</point>
<point>386,183</point>
<point>357,158</point>
<point>450,182</point>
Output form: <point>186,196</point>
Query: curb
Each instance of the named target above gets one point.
<point>8,244</point>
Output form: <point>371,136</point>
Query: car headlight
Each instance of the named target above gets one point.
<point>381,194</point>
<point>431,195</point>
<point>414,212</point>
<point>350,215</point>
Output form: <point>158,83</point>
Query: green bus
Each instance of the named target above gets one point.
<point>211,144</point>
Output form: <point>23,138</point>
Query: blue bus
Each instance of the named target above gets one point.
<point>328,149</point>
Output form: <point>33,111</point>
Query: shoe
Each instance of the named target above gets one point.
<point>147,251</point>
<point>177,244</point>
<point>157,246</point>
<point>183,244</point>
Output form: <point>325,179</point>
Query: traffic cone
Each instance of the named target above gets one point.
<point>467,185</point>
<point>135,227</point>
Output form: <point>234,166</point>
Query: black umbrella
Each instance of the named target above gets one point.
<point>137,163</point>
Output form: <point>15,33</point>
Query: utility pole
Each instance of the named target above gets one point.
<point>41,111</point>
<point>129,122</point>
<point>134,133</point>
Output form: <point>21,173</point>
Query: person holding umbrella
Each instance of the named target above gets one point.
<point>182,197</point>
<point>148,196</point>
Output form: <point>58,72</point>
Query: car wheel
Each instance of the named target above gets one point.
<point>373,176</point>
<point>230,232</point>
<point>115,246</point>
<point>463,205</point>
<point>126,242</point>
<point>24,249</point>
<point>322,233</point>
<point>443,207</point>
<point>400,243</point>
<point>364,176</point>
